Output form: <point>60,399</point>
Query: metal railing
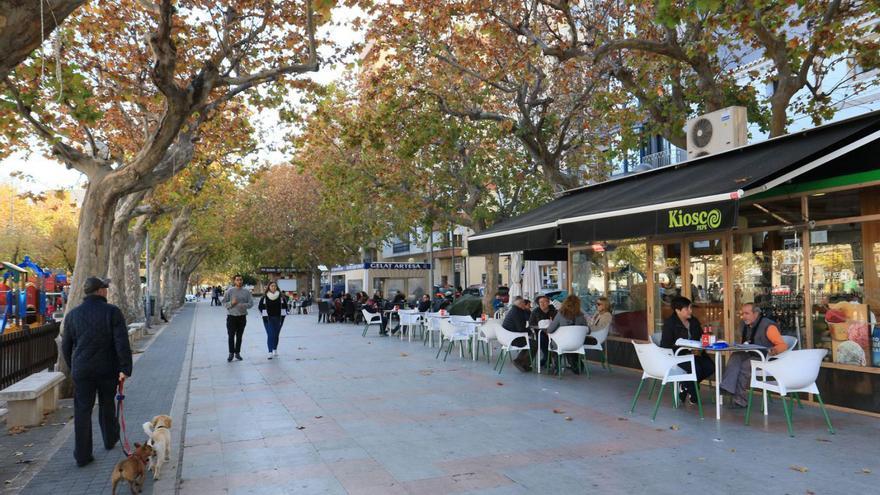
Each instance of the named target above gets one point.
<point>663,158</point>
<point>27,351</point>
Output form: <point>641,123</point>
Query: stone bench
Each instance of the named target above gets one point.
<point>135,332</point>
<point>28,399</point>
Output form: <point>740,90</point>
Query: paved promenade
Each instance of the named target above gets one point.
<point>337,413</point>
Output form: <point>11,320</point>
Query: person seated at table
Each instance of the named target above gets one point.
<point>600,319</point>
<point>544,311</point>
<point>373,308</point>
<point>569,314</point>
<point>348,308</point>
<point>399,299</point>
<point>756,329</point>
<point>424,304</point>
<point>440,302</point>
<point>379,299</point>
<point>683,325</point>
<point>517,321</point>
<point>497,303</point>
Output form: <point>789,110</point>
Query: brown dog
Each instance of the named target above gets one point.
<point>133,468</point>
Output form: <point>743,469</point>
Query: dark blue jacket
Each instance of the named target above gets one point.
<point>95,342</point>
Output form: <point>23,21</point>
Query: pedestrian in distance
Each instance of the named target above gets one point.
<point>237,301</point>
<point>95,348</point>
<point>273,307</point>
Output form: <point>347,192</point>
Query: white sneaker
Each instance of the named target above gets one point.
<point>275,352</point>
<point>271,355</point>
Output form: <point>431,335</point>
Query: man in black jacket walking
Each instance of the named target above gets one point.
<point>95,347</point>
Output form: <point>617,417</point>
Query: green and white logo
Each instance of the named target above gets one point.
<point>698,220</point>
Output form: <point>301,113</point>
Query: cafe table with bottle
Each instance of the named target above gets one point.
<point>708,343</point>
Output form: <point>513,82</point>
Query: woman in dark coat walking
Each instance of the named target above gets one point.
<point>273,307</point>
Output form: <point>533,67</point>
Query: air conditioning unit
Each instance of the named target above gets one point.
<point>715,132</point>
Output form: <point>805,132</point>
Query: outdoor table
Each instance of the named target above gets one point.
<point>757,349</point>
<point>536,330</point>
<point>473,329</point>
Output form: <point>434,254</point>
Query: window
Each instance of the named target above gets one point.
<point>768,271</point>
<point>667,280</point>
<point>786,211</point>
<point>549,276</point>
<point>707,283</point>
<point>840,312</point>
<point>588,277</point>
<point>838,204</point>
<point>628,289</point>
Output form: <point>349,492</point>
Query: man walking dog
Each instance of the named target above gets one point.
<point>95,347</point>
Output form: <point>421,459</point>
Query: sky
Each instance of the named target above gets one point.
<point>41,173</point>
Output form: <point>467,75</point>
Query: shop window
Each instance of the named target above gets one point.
<point>588,277</point>
<point>785,211</point>
<point>415,287</point>
<point>355,286</point>
<point>628,289</point>
<point>768,271</point>
<point>842,204</point>
<point>549,276</point>
<point>707,284</point>
<point>842,309</point>
<point>667,280</point>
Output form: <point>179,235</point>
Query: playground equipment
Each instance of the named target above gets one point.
<point>31,297</point>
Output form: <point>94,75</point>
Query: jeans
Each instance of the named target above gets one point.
<point>273,330</point>
<point>83,402</point>
<point>235,331</point>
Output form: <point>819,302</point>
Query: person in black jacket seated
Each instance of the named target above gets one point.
<point>95,348</point>
<point>683,325</point>
<point>544,311</point>
<point>424,304</point>
<point>517,320</point>
<point>373,308</point>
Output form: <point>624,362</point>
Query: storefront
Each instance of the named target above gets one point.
<point>791,224</point>
<point>410,279</point>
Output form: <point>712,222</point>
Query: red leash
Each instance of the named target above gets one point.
<point>120,413</point>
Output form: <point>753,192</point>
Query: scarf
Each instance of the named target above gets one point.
<point>273,295</point>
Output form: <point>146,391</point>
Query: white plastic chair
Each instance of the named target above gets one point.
<point>485,335</point>
<point>793,372</point>
<point>371,319</point>
<point>499,313</point>
<point>409,320</point>
<point>505,338</point>
<point>601,336</point>
<point>656,337</point>
<point>568,339</point>
<point>662,366</point>
<point>452,334</point>
<point>431,322</point>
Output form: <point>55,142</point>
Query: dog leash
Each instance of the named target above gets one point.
<point>120,413</point>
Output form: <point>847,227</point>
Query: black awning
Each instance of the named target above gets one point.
<point>550,254</point>
<point>680,198</point>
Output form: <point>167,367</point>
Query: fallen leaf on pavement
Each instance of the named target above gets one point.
<point>674,428</point>
<point>823,440</point>
<point>866,471</point>
<point>403,354</point>
<point>300,427</point>
<point>15,430</point>
<point>701,458</point>
<point>19,453</point>
<point>800,469</point>
<point>622,419</point>
<point>499,384</point>
<point>568,418</point>
<point>28,445</point>
<point>558,411</point>
<point>318,417</point>
<point>733,450</point>
<point>426,372</point>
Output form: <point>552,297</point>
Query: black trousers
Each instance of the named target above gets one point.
<point>83,402</point>
<point>235,331</point>
<point>705,368</point>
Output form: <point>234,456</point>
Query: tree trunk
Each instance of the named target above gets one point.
<point>162,253</point>
<point>779,115</point>
<point>22,29</point>
<point>491,282</point>
<point>133,252</point>
<point>316,283</point>
<point>119,240</point>
<point>92,254</point>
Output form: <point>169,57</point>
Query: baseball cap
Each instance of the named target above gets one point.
<point>94,283</point>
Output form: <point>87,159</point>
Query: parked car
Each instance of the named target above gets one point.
<point>191,298</point>
<point>480,290</point>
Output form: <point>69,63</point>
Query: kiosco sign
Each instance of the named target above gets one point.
<point>697,221</point>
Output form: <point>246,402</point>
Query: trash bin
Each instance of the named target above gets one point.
<point>152,306</point>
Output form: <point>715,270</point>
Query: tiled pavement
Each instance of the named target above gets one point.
<point>150,391</point>
<point>337,413</point>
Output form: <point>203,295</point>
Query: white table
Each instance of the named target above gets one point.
<point>718,352</point>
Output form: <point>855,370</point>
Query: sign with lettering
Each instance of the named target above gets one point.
<point>697,218</point>
<point>279,269</point>
<point>397,266</point>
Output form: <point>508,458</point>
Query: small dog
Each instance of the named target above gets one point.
<point>133,468</point>
<point>159,433</point>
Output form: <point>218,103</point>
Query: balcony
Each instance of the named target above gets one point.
<point>663,158</point>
